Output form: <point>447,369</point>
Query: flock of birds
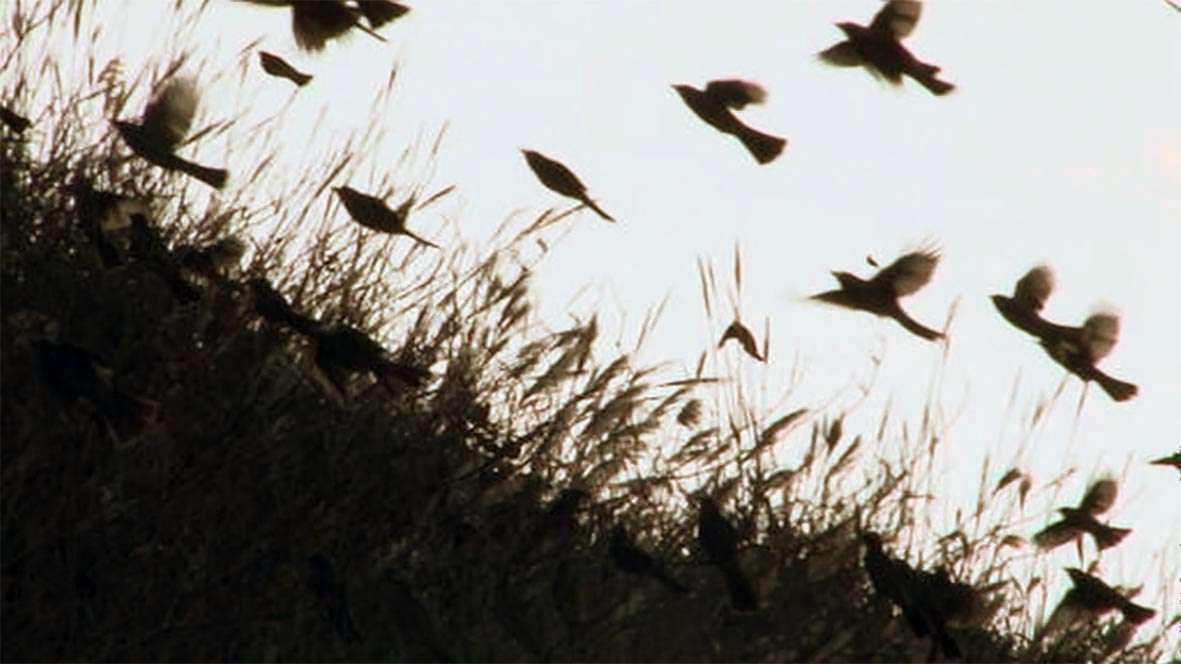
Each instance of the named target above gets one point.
<point>930,601</point>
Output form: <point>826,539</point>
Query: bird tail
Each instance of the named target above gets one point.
<point>1116,389</point>
<point>742,593</point>
<point>1108,536</point>
<point>214,177</point>
<point>421,240</point>
<point>598,210</point>
<point>1136,614</point>
<point>915,327</point>
<point>763,147</point>
<point>927,77</point>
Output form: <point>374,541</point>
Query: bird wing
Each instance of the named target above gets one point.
<point>1056,534</point>
<point>169,115</point>
<point>736,93</point>
<point>1100,497</point>
<point>897,18</point>
<point>1035,287</point>
<point>909,273</point>
<point>843,54</point>
<point>1100,334</point>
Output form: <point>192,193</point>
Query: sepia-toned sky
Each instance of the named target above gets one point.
<point>1062,144</point>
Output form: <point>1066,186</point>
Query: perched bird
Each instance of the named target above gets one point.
<point>371,212</point>
<point>272,307</point>
<point>878,48</point>
<point>342,348</point>
<point>557,178</point>
<point>1173,460</point>
<point>880,294</point>
<point>214,259</point>
<point>105,216</point>
<point>714,104</point>
<point>72,373</point>
<point>1080,520</point>
<point>630,558</point>
<point>278,67</point>
<point>166,121</point>
<point>1079,349</point>
<point>719,540</point>
<point>923,598</point>
<point>1023,309</point>
<point>743,336</point>
<point>316,22</point>
<point>1089,599</point>
<point>13,120</point>
<point>331,597</point>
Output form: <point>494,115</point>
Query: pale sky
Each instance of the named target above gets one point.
<point>1062,144</point>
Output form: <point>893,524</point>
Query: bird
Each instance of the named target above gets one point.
<point>272,307</point>
<point>278,67</point>
<point>880,294</point>
<point>342,348</point>
<point>166,121</point>
<point>1089,598</point>
<point>630,558</point>
<point>557,178</point>
<point>380,12</point>
<point>714,104</point>
<point>316,22</point>
<point>72,373</point>
<point>13,120</point>
<point>1080,520</point>
<point>372,213</point>
<point>105,217</point>
<point>744,337</point>
<point>1079,349</point>
<point>878,48</point>
<point>1023,309</point>
<point>924,598</point>
<point>719,540</point>
<point>331,597</point>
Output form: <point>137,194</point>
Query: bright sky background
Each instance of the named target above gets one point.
<point>1061,144</point>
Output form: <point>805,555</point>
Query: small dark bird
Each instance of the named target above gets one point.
<point>276,66</point>
<point>1023,309</point>
<point>1091,598</point>
<point>105,216</point>
<point>630,558</point>
<point>371,212</point>
<point>1079,349</point>
<point>880,294</point>
<point>744,337</point>
<point>272,307</point>
<point>1173,460</point>
<point>331,596</point>
<point>714,104</point>
<point>924,598</point>
<point>316,22</point>
<point>719,540</point>
<point>73,373</point>
<point>559,179</point>
<point>346,349</point>
<point>380,12</point>
<point>166,121</point>
<point>13,120</point>
<point>879,48</point>
<point>1080,520</point>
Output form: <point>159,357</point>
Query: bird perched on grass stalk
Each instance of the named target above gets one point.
<point>880,294</point>
<point>630,558</point>
<point>272,307</point>
<point>878,48</point>
<point>372,213</point>
<point>714,105</point>
<point>719,540</point>
<point>557,178</point>
<point>166,121</point>
<point>1080,520</point>
<point>278,67</point>
<point>1023,309</point>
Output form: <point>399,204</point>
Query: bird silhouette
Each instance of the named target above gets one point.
<point>343,349</point>
<point>13,120</point>
<point>105,217</point>
<point>272,307</point>
<point>1023,309</point>
<point>630,558</point>
<point>166,121</point>
<point>927,600</point>
<point>744,337</point>
<point>381,12</point>
<point>557,178</point>
<point>316,22</point>
<point>278,67</point>
<point>714,105</point>
<point>719,540</point>
<point>372,213</point>
<point>1090,598</point>
<point>880,294</point>
<point>878,48</point>
<point>1079,349</point>
<point>1080,520</point>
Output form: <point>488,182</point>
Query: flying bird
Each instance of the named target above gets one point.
<point>316,22</point>
<point>714,105</point>
<point>1079,349</point>
<point>630,558</point>
<point>1023,309</point>
<point>278,67</point>
<point>1088,599</point>
<point>166,121</point>
<point>878,48</point>
<point>371,212</point>
<point>557,178</point>
<point>719,540</point>
<point>1081,520</point>
<point>879,295</point>
<point>925,599</point>
<point>744,337</point>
